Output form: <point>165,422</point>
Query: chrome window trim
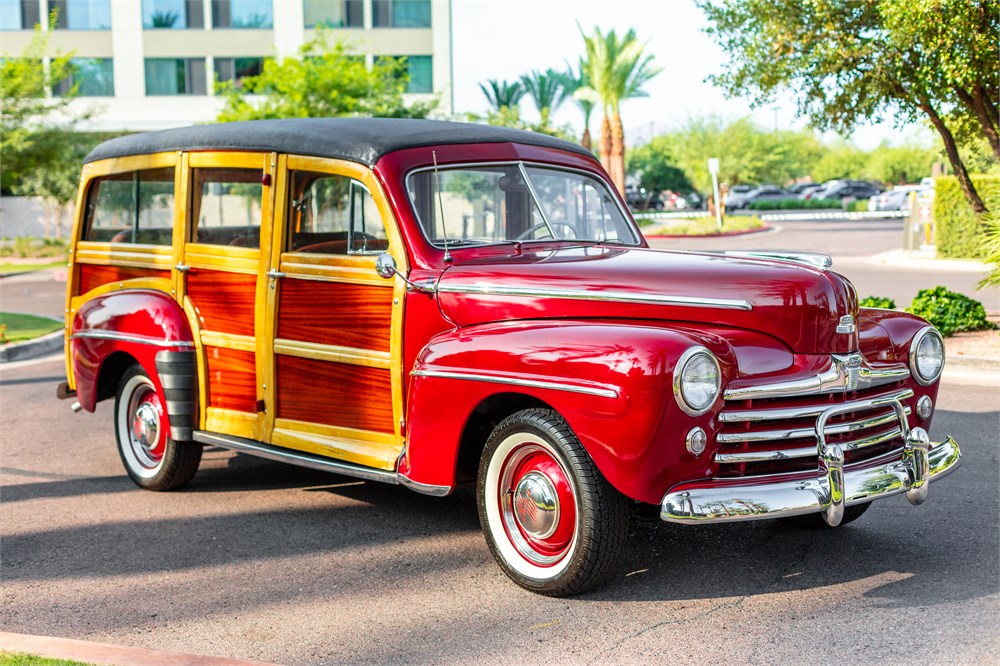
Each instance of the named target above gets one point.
<point>126,337</point>
<point>638,238</point>
<point>926,330</point>
<point>757,415</point>
<point>607,392</point>
<point>607,296</point>
<point>688,354</point>
<point>813,259</point>
<point>836,379</point>
<point>800,433</point>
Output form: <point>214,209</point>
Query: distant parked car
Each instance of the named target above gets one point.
<point>639,198</point>
<point>764,193</point>
<point>847,189</point>
<point>898,198</point>
<point>799,188</point>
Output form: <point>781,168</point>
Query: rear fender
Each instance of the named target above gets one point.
<point>612,382</point>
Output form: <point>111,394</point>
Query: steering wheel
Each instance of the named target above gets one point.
<point>535,227</point>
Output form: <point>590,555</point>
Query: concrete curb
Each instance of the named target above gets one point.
<point>29,349</point>
<point>105,653</point>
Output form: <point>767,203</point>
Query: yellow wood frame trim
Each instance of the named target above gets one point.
<point>230,422</point>
<point>333,353</point>
<point>199,348</point>
<point>363,447</point>
<point>89,172</point>
<point>302,266</point>
<point>225,258</point>
<point>228,341</point>
<point>157,257</point>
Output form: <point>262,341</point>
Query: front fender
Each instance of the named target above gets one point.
<point>611,381</point>
<point>137,322</point>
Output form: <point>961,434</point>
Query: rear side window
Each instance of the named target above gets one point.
<point>132,207</point>
<point>226,206</point>
<point>331,214</point>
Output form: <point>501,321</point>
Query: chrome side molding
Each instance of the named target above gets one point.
<point>813,259</point>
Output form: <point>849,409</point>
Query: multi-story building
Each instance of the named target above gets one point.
<point>152,64</point>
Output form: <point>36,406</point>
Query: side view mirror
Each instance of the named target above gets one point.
<point>385,266</point>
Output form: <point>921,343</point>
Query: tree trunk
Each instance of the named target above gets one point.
<point>618,153</point>
<point>604,150</point>
<point>956,161</point>
<point>974,102</point>
<point>585,141</point>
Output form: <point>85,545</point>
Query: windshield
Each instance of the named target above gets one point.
<point>481,205</point>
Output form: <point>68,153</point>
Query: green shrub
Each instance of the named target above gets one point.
<point>877,302</point>
<point>794,204</point>
<point>859,206</point>
<point>960,232</point>
<point>950,311</point>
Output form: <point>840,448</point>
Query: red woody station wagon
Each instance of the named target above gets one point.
<point>434,304</point>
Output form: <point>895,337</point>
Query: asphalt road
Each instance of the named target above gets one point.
<point>259,560</point>
<point>263,561</point>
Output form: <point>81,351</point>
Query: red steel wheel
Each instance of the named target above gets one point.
<point>553,522</point>
<point>152,459</point>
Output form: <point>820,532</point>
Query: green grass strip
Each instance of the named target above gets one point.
<point>20,327</point>
<point>24,659</point>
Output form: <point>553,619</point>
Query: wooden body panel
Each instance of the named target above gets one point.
<point>334,394</point>
<point>232,379</point>
<point>224,301</point>
<point>347,315</point>
<point>92,276</point>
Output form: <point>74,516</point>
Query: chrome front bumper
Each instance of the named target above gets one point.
<point>833,488</point>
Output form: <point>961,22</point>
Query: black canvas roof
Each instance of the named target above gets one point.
<point>362,140</point>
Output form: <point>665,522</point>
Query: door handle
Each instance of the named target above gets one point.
<point>182,268</point>
<point>275,274</point>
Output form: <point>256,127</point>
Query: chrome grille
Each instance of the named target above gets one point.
<point>775,435</point>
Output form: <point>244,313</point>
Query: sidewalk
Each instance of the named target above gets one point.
<point>926,258</point>
<point>105,653</point>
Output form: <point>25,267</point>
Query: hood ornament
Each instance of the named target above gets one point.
<point>846,325</point>
<point>848,370</point>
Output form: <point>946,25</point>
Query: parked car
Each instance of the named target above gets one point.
<point>898,198</point>
<point>439,305</point>
<point>641,199</point>
<point>764,193</point>
<point>847,189</point>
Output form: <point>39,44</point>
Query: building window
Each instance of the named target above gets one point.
<point>19,14</point>
<point>93,77</point>
<point>176,14</point>
<point>237,69</point>
<point>175,76</point>
<point>82,14</point>
<point>242,14</point>
<point>334,13</point>
<point>421,75</point>
<point>401,13</point>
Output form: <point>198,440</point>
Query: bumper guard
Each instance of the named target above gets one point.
<point>829,492</point>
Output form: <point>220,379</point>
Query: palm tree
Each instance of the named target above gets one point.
<point>577,86</point>
<point>502,94</point>
<point>546,90</point>
<point>617,70</point>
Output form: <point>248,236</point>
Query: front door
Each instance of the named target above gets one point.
<point>229,199</point>
<point>336,325</point>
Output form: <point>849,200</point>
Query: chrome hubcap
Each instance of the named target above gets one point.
<point>536,505</point>
<point>146,425</point>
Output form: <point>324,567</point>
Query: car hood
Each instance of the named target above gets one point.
<point>797,304</point>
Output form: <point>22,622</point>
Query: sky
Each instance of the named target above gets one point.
<point>502,40</point>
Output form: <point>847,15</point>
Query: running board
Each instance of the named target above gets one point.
<point>302,459</point>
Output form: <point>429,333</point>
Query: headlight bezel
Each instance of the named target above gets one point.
<point>687,357</point>
<point>915,345</point>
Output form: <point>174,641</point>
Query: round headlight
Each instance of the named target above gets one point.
<point>697,381</point>
<point>927,355</point>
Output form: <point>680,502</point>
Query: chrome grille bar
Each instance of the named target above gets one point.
<point>805,452</point>
<point>755,415</point>
<point>799,433</point>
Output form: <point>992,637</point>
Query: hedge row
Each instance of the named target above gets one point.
<point>795,204</point>
<point>959,232</point>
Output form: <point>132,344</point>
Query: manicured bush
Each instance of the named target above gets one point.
<point>859,206</point>
<point>877,302</point>
<point>959,231</point>
<point>795,204</point>
<point>950,311</point>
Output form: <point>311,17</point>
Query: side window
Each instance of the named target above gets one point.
<point>133,207</point>
<point>226,206</point>
<point>330,214</point>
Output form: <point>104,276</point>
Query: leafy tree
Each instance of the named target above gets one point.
<point>576,79</point>
<point>850,61</point>
<point>546,90</point>
<point>323,81</point>
<point>655,164</point>
<point>502,94</point>
<point>840,160</point>
<point>618,70</point>
<point>900,164</point>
